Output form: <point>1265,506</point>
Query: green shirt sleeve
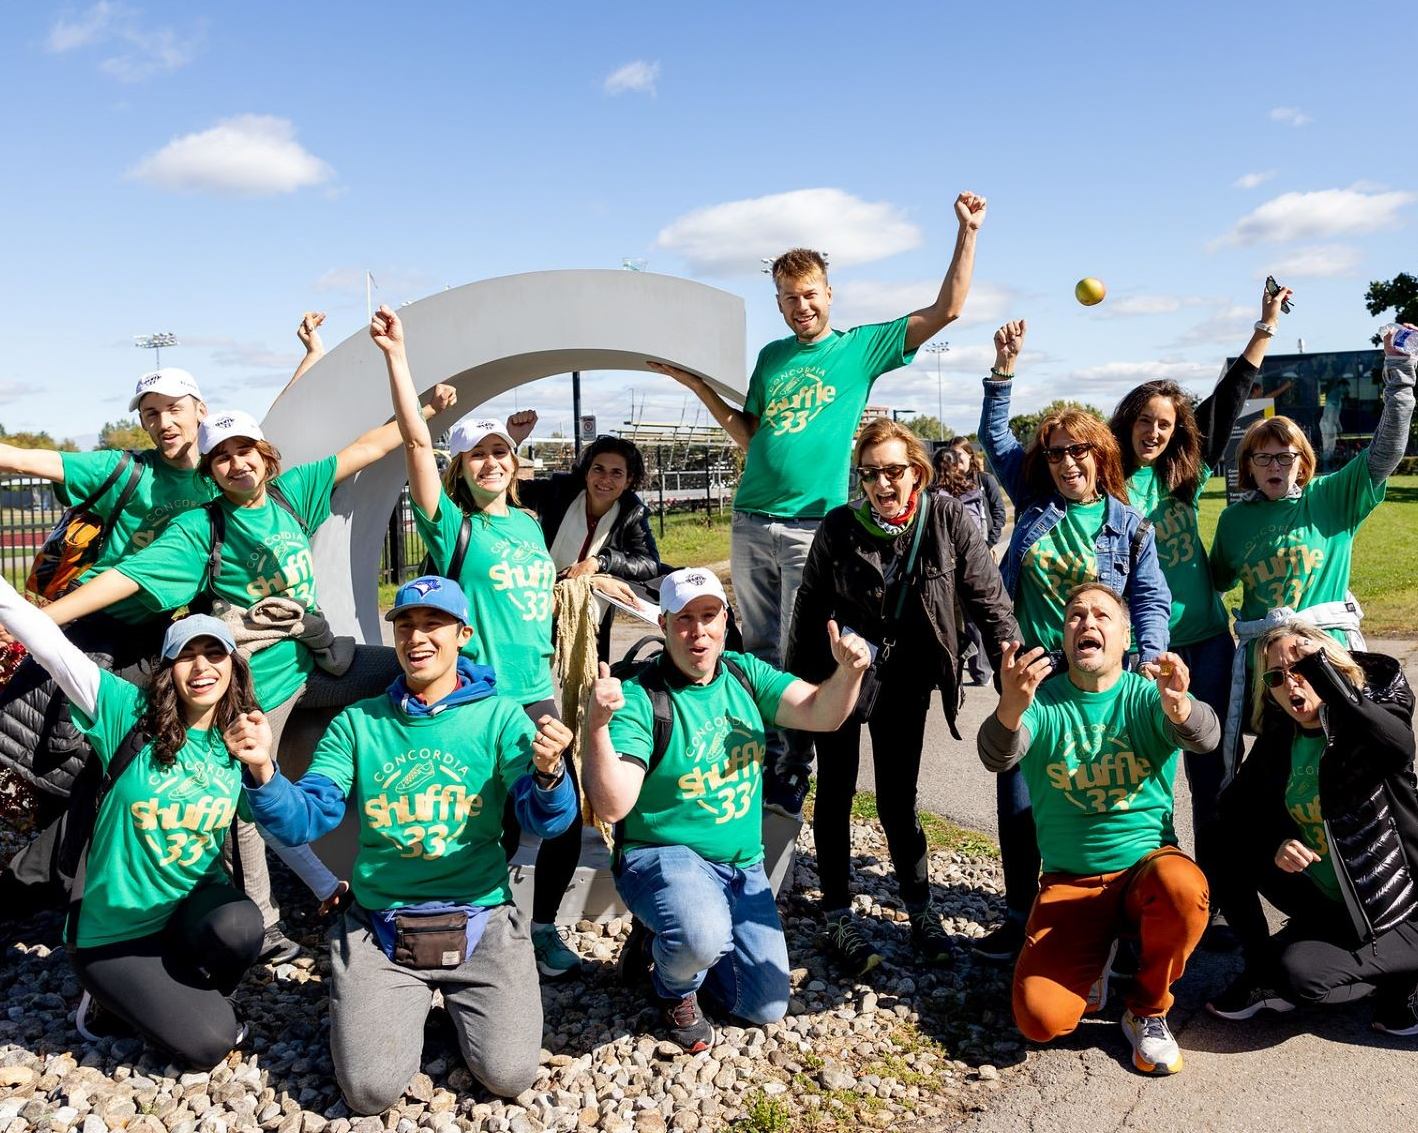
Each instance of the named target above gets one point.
<point>632,727</point>
<point>121,705</point>
<point>768,684</point>
<point>753,403</point>
<point>1348,496</point>
<point>171,571</point>
<point>439,532</point>
<point>883,346</point>
<point>84,472</point>
<point>334,755</point>
<point>308,487</point>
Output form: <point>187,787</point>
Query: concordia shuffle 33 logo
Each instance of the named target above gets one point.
<point>1098,771</point>
<point>424,803</point>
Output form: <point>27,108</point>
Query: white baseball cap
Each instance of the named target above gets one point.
<point>219,426</point>
<point>169,381</point>
<point>679,589</point>
<point>470,430</point>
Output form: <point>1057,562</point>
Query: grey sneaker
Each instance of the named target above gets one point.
<point>555,960</point>
<point>277,947</point>
<point>1154,1050</point>
<point>685,1024</point>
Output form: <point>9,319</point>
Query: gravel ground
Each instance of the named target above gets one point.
<point>910,1049</point>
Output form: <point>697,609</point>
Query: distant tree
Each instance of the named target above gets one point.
<point>1399,294</point>
<point>928,428</point>
<point>126,433</point>
<point>34,440</point>
<point>1023,426</point>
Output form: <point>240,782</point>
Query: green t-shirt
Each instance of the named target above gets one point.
<point>1302,800</point>
<point>265,553</point>
<point>508,576</point>
<point>1295,552</point>
<point>160,831</point>
<point>809,402</point>
<point>704,793</point>
<point>162,492</point>
<point>1197,613</point>
<point>1099,771</point>
<point>429,792</point>
<point>1059,560</point>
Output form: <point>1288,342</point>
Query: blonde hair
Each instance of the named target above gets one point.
<point>882,430</point>
<point>1280,430</point>
<point>1339,657</point>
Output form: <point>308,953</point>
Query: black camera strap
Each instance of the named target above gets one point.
<point>904,580</point>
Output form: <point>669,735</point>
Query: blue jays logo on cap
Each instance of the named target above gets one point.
<point>431,590</point>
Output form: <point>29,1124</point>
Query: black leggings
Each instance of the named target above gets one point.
<point>897,727</point>
<point>1317,957</point>
<point>557,858</point>
<point>172,986</point>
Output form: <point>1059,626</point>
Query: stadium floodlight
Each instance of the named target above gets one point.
<point>938,348</point>
<point>155,343</point>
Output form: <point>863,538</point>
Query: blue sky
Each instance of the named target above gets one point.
<point>215,170</point>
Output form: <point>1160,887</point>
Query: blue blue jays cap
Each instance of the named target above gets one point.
<point>431,590</point>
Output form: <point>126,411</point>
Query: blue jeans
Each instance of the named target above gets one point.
<point>716,927</point>
<point>766,560</point>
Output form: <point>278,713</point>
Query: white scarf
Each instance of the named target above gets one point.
<point>566,547</point>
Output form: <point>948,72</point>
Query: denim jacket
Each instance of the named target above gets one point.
<point>1148,597</point>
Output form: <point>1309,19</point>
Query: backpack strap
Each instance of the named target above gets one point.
<point>460,547</point>
<point>111,479</point>
<point>216,517</point>
<point>1138,538</point>
<point>273,489</point>
<point>135,474</point>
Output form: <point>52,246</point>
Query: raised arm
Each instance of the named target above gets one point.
<point>1002,448</point>
<point>612,784</point>
<point>1391,433</point>
<point>740,426</point>
<point>1216,414</point>
<point>70,667</point>
<point>45,463</point>
<point>1003,738</point>
<point>825,707</point>
<point>924,324</point>
<point>96,594</point>
<point>309,334</point>
<point>387,330</point>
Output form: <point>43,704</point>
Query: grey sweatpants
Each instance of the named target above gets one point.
<point>378,1009</point>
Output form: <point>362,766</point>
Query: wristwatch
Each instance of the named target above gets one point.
<point>1266,329</point>
<point>547,780</point>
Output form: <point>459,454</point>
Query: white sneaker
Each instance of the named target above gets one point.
<point>1098,993</point>
<point>1154,1050</point>
<point>81,1018</point>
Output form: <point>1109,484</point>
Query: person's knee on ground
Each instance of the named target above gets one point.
<point>1044,1009</point>
<point>373,1090</point>
<point>228,940</point>
<point>509,1073</point>
<point>692,944</point>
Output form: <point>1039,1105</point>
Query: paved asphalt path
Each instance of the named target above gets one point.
<point>1312,1071</point>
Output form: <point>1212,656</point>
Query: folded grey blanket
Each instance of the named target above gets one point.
<point>278,619</point>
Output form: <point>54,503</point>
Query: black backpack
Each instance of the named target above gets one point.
<point>652,680</point>
<point>216,517</point>
<point>460,552</point>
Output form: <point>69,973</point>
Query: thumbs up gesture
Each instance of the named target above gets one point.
<point>607,697</point>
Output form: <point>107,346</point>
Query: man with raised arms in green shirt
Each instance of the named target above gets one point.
<point>1098,749</point>
<point>805,402</point>
<point>685,795</point>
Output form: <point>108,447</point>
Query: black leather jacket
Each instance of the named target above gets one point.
<point>629,551</point>
<point>1368,794</point>
<point>844,579</point>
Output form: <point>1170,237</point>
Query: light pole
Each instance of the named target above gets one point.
<point>938,348</point>
<point>155,343</point>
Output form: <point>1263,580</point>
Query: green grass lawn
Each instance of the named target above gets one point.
<point>689,541</point>
<point>1384,575</point>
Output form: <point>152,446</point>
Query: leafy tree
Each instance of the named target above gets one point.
<point>1399,294</point>
<point>928,428</point>
<point>35,440</point>
<point>126,433</point>
<point>1024,425</point>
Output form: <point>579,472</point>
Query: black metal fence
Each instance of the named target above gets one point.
<point>28,512</point>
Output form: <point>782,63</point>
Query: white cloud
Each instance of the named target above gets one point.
<point>137,52</point>
<point>1319,215</point>
<point>732,238</point>
<point>1291,115</point>
<point>1251,180</point>
<point>15,391</point>
<point>1228,326</point>
<point>638,77</point>
<point>1317,261</point>
<point>860,301</point>
<point>249,155</point>
<point>1135,373</point>
<point>1127,306</point>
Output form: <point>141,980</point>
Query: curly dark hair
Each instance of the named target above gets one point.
<point>1178,467</point>
<point>167,725</point>
<point>616,446</point>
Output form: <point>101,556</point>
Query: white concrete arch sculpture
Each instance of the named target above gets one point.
<point>485,338</point>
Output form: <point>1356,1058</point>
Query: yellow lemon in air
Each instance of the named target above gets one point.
<point>1089,291</point>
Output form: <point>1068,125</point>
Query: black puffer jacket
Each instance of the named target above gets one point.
<point>1368,793</point>
<point>845,579</point>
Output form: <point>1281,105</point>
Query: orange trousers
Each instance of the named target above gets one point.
<point>1162,901</point>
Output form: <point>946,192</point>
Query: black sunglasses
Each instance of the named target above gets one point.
<point>892,472</point>
<point>1273,288</point>
<point>1078,451</point>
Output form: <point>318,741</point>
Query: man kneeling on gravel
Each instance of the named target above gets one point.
<point>429,764</point>
<point>675,759</point>
<point>1098,748</point>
